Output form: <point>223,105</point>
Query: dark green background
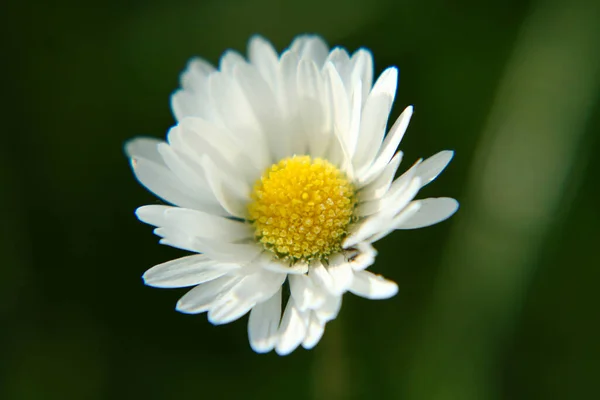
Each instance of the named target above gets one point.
<point>490,306</point>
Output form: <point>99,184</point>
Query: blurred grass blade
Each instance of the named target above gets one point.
<point>518,181</point>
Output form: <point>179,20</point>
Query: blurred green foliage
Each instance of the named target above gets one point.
<point>77,322</point>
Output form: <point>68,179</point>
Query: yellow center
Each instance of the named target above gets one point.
<point>301,208</point>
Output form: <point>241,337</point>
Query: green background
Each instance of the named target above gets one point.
<point>499,302</point>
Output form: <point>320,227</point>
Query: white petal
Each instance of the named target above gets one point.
<point>232,309</point>
<point>193,177</point>
<point>264,57</point>
<point>389,146</point>
<point>292,331</point>
<point>340,104</point>
<point>200,298</point>
<point>381,213</point>
<point>431,211</point>
<point>389,225</point>
<point>186,271</point>
<point>391,203</point>
<point>340,59</point>
<point>362,70</point>
<point>195,75</point>
<point>365,257</point>
<point>277,266</point>
<point>375,116</point>
<point>153,214</point>
<point>194,223</point>
<point>193,99</point>
<point>371,286</point>
<point>429,169</point>
<point>320,277</point>
<point>200,138</point>
<point>314,108</point>
<point>330,308</point>
<point>241,253</point>
<point>151,171</point>
<point>237,116</point>
<point>229,61</point>
<point>311,47</point>
<point>356,118</point>
<point>288,98</point>
<point>379,187</point>
<point>303,291</point>
<point>264,323</point>
<point>264,104</point>
<point>144,147</point>
<point>232,197</point>
<point>314,332</point>
<point>176,238</point>
<point>205,225</point>
<point>341,274</point>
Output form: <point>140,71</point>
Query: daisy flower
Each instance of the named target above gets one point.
<point>280,176</point>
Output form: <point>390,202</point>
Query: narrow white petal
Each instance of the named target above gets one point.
<point>199,138</point>
<point>241,253</point>
<point>340,104</point>
<point>371,286</point>
<point>193,99</point>
<point>431,211</point>
<point>264,104</point>
<point>314,108</point>
<point>229,61</point>
<point>429,169</point>
<point>264,57</point>
<point>329,309</point>
<point>393,202</point>
<point>375,116</point>
<point>401,183</point>
<point>199,299</point>
<point>380,213</point>
<point>289,101</point>
<point>356,115</point>
<point>389,225</point>
<point>257,286</point>
<point>362,70</point>
<point>205,225</point>
<point>379,187</point>
<point>178,239</point>
<point>194,223</point>
<point>341,274</point>
<point>263,324</point>
<point>153,214</point>
<point>314,332</point>
<point>193,177</point>
<point>340,59</point>
<point>186,271</point>
<point>151,171</point>
<point>364,258</point>
<point>389,146</point>
<point>298,268</point>
<point>196,74</point>
<point>144,147</point>
<point>229,197</point>
<point>292,331</point>
<point>320,277</point>
<point>237,117</point>
<point>224,312</point>
<point>303,291</point>
<point>311,47</point>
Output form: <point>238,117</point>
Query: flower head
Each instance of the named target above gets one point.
<point>279,173</point>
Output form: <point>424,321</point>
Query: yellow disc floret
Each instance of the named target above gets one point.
<point>301,208</point>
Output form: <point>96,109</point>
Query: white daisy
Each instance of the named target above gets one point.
<point>279,170</point>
